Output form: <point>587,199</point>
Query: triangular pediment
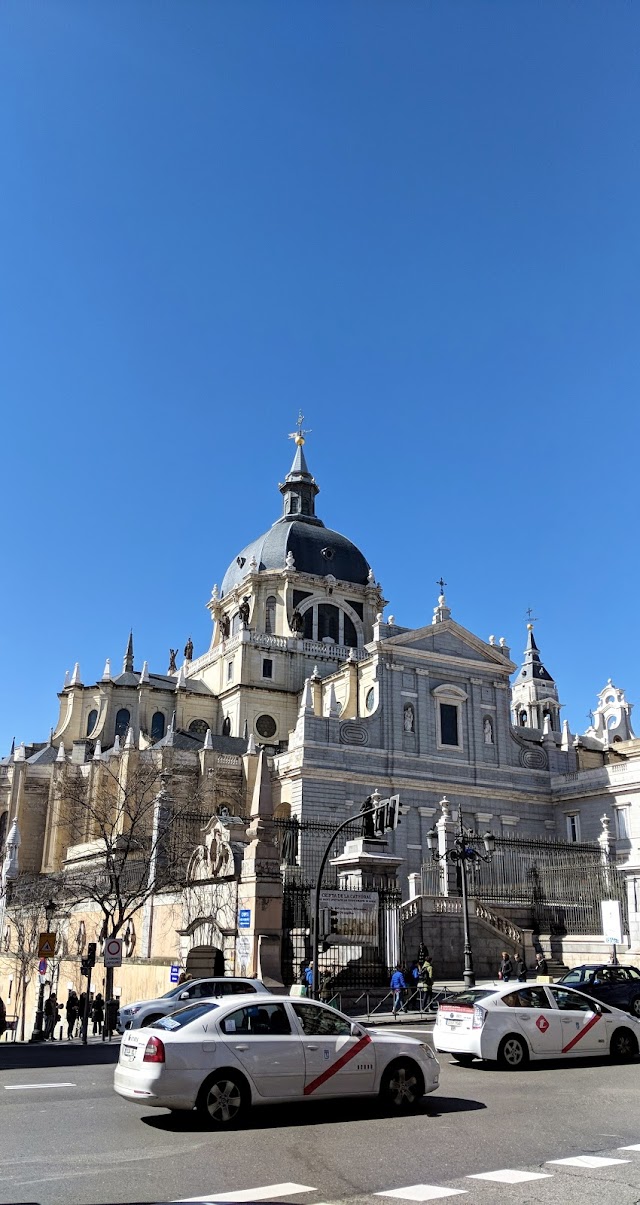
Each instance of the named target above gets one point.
<point>450,639</point>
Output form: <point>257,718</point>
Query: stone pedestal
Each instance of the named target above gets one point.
<point>364,866</point>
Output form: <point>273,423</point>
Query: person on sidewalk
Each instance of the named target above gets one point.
<point>398,986</point>
<point>51,1017</point>
<point>72,1013</point>
<point>521,969</point>
<point>97,1013</point>
<point>506,967</point>
<point>541,964</point>
<point>425,984</point>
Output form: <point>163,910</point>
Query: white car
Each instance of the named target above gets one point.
<point>223,1057</point>
<point>514,1022</point>
<point>146,1012</point>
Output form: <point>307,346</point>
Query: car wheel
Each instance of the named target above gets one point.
<point>634,1007</point>
<point>624,1046</point>
<point>402,1086</point>
<point>151,1020</point>
<point>224,1099</point>
<point>465,1060</point>
<point>513,1053</point>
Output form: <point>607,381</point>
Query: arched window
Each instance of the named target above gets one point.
<point>328,622</point>
<point>226,726</point>
<point>350,634</point>
<point>235,624</point>
<point>523,719</point>
<point>157,726</point>
<point>270,615</point>
<point>123,719</point>
<point>92,721</point>
<point>198,727</point>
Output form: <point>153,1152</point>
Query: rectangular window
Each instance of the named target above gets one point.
<point>573,826</point>
<point>229,671</point>
<point>267,667</point>
<point>448,724</point>
<point>622,823</point>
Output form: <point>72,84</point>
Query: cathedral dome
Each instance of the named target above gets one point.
<point>314,548</point>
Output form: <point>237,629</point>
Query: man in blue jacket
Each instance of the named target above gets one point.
<point>399,987</point>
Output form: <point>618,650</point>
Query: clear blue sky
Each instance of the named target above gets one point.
<point>416,220</point>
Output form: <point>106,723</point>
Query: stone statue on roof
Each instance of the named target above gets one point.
<point>188,650</point>
<point>173,669</point>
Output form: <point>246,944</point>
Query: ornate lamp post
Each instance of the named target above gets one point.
<point>38,1034</point>
<point>463,851</point>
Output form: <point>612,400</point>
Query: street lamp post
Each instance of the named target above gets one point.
<point>461,853</point>
<point>38,1032</point>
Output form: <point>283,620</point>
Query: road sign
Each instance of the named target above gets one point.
<point>174,974</point>
<point>244,918</point>
<point>113,952</point>
<point>611,923</point>
<point>46,945</point>
<point>42,966</point>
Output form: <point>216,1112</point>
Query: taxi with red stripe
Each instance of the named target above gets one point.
<point>513,1023</point>
<point>222,1057</point>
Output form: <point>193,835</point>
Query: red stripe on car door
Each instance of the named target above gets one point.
<point>585,1029</point>
<point>339,1063</point>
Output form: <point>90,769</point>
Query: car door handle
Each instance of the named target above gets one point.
<point>523,1016</point>
<point>245,1047</point>
<point>312,1047</point>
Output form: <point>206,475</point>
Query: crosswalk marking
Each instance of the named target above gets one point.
<point>509,1175</point>
<point>253,1194</point>
<point>635,1146</point>
<point>587,1161</point>
<point>422,1192</point>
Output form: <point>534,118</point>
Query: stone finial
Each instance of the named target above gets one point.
<point>172,723</point>
<point>253,564</point>
<point>20,753</point>
<point>127,660</point>
<point>144,674</point>
<point>334,706</point>
<point>75,677</point>
<point>251,745</point>
<point>10,867</point>
<point>245,730</point>
<point>445,808</point>
<point>371,579</point>
<point>306,701</point>
<point>492,640</point>
<point>380,617</point>
<point>61,757</point>
<point>106,673</point>
<point>391,621</point>
<point>67,679</point>
<point>208,740</point>
<point>128,740</point>
<point>116,744</point>
<point>606,825</point>
<point>502,642</point>
<point>566,737</point>
<point>181,682</point>
<point>97,752</point>
<point>315,676</point>
<point>289,561</point>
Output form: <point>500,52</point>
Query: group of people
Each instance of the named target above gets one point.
<point>74,1014</point>
<point>324,981</point>
<point>518,967</point>
<point>416,983</point>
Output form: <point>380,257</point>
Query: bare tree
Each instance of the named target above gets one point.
<point>129,838</point>
<point>25,917</point>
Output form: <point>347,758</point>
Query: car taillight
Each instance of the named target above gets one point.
<point>479,1015</point>
<point>154,1051</point>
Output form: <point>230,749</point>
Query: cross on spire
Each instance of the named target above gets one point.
<point>530,616</point>
<point>299,435</point>
<point>441,583</point>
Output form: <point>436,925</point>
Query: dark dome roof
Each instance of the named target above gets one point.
<point>314,547</point>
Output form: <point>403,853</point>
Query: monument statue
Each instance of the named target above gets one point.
<point>368,830</point>
<point>225,626</point>
<point>243,611</point>
<point>173,669</point>
<point>188,650</point>
<point>297,622</point>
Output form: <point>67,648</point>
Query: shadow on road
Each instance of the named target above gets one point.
<point>339,1112</point>
<point>21,1055</point>
<point>488,1067</point>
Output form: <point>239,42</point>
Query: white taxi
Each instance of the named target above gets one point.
<point>221,1057</point>
<point>513,1022</point>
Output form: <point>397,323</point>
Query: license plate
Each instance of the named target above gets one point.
<point>129,1052</point>
<point>453,1024</point>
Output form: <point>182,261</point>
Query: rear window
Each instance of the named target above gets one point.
<point>469,997</point>
<point>184,1016</point>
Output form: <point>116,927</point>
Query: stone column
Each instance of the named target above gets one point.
<point>446,828</point>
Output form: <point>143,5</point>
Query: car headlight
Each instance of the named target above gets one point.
<point>131,1010</point>
<point>429,1052</point>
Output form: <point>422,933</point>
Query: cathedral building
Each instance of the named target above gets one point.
<point>305,674</point>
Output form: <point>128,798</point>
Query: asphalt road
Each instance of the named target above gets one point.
<point>66,1137</point>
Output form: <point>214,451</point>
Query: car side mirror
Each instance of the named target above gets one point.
<point>356,1031</point>
<point>183,996</point>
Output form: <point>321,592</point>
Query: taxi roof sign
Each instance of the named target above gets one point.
<point>46,945</point>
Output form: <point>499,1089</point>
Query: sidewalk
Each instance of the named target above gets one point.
<point>384,1016</point>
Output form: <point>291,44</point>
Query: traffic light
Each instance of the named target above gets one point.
<point>387,815</point>
<point>393,812</point>
<point>91,954</point>
<point>85,967</point>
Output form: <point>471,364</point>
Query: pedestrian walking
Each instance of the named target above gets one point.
<point>541,964</point>
<point>97,1013</point>
<point>506,967</point>
<point>398,986</point>
<point>72,1013</point>
<point>414,977</point>
<point>308,978</point>
<point>521,968</point>
<point>425,984</point>
<point>51,1017</point>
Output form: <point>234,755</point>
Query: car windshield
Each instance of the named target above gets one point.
<point>469,997</point>
<point>184,1016</point>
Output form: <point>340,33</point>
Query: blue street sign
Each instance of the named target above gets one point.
<point>174,974</point>
<point>42,966</point>
<point>244,918</point>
